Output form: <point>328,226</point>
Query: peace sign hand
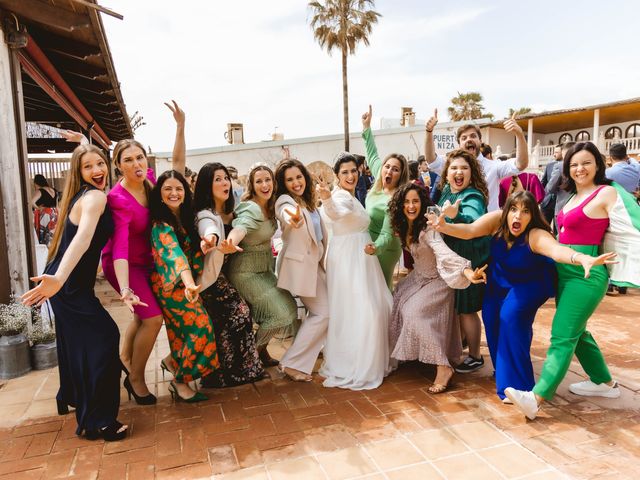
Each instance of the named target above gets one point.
<point>296,219</point>
<point>208,243</point>
<point>366,119</point>
<point>432,122</point>
<point>323,189</point>
<point>451,210</point>
<point>178,113</point>
<point>511,125</point>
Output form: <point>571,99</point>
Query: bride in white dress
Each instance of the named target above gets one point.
<point>356,353</point>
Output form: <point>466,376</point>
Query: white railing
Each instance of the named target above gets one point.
<point>632,144</point>
<point>546,151</point>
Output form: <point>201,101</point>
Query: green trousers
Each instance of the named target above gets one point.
<point>576,301</point>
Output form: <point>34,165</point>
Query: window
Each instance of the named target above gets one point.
<point>633,130</point>
<point>613,132</point>
<point>583,136</point>
<point>565,137</point>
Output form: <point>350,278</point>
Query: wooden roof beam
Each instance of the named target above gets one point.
<point>46,14</point>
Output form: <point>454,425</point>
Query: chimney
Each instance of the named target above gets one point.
<point>235,133</point>
<point>407,117</point>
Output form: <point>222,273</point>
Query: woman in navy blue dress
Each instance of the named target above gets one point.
<point>521,278</point>
<point>87,337</point>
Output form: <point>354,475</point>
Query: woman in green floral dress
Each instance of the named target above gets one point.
<point>252,271</point>
<point>178,260</point>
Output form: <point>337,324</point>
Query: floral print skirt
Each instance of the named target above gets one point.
<point>235,339</point>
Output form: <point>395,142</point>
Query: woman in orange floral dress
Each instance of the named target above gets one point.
<point>178,260</point>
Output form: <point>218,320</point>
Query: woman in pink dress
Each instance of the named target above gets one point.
<point>127,260</point>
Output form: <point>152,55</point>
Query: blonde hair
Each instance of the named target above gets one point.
<point>71,187</point>
<point>404,171</point>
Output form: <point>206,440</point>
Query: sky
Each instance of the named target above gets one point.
<point>257,63</point>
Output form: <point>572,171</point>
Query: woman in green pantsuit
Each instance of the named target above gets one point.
<point>581,224</point>
<point>389,175</point>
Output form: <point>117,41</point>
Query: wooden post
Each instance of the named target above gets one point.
<point>18,238</point>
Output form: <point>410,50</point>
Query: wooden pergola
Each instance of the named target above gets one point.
<point>56,61</point>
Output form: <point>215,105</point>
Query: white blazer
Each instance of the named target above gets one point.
<point>209,223</point>
<point>301,255</point>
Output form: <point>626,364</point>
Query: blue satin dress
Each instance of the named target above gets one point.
<point>518,283</point>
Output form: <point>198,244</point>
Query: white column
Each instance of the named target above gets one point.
<point>530,135</point>
<point>18,234</point>
<point>596,126</point>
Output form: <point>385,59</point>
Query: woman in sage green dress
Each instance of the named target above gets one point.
<point>252,270</point>
<point>389,175</point>
<point>464,200</point>
<point>178,260</point>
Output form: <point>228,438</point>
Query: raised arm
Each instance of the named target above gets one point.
<point>179,155</point>
<point>373,158</point>
<point>429,145</point>
<point>522,151</point>
<point>543,243</point>
<point>487,224</point>
<point>92,207</point>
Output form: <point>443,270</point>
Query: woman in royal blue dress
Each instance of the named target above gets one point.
<point>521,278</point>
<point>87,337</point>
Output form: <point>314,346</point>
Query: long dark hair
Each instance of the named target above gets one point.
<point>203,193</point>
<point>477,176</point>
<point>160,213</point>
<point>342,158</point>
<point>600,179</point>
<point>308,197</point>
<point>399,222</point>
<point>524,199</point>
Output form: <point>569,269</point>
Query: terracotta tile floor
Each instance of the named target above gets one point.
<point>277,429</point>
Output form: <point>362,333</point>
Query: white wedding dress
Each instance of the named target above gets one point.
<point>356,353</point>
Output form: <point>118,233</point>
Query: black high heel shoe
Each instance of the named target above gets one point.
<point>63,408</point>
<point>112,433</point>
<point>146,400</point>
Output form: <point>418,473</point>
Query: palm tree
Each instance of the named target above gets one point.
<point>467,106</point>
<point>518,112</point>
<point>341,25</point>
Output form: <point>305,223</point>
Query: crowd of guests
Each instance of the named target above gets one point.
<point>195,253</point>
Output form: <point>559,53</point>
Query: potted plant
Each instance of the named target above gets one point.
<point>42,337</point>
<point>14,347</point>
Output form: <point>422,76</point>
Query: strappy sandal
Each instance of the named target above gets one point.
<point>437,388</point>
<point>295,375</point>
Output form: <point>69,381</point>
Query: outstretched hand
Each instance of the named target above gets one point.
<point>227,247</point>
<point>511,125</point>
<point>296,219</point>
<point>130,299</point>
<point>191,292</point>
<point>366,119</point>
<point>451,210</point>
<point>432,122</point>
<point>178,113</point>
<point>74,137</point>
<point>587,261</point>
<point>477,275</point>
<point>49,285</point>
<point>208,243</point>
<point>323,189</point>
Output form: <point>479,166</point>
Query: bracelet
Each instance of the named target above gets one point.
<point>573,257</point>
<point>123,289</point>
<point>430,131</point>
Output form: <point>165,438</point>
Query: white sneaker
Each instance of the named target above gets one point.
<point>590,389</point>
<point>525,401</point>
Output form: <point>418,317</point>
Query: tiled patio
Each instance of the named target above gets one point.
<point>278,429</point>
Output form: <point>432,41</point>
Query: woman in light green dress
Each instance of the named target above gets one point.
<point>389,175</point>
<point>252,270</point>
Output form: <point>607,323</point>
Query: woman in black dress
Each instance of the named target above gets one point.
<point>87,337</point>
<point>230,314</point>
<point>45,213</point>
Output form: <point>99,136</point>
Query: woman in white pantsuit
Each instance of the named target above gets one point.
<point>300,265</point>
